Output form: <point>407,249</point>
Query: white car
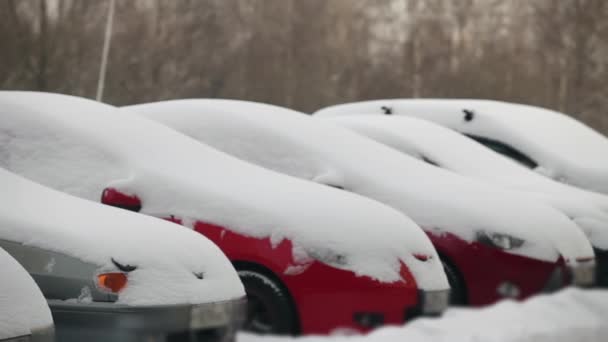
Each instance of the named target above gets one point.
<point>312,259</point>
<point>452,151</point>
<point>494,244</point>
<point>109,274</point>
<point>549,142</point>
<point>24,314</point>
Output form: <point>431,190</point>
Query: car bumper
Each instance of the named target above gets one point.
<point>491,274</point>
<point>583,274</point>
<point>106,321</point>
<point>430,303</point>
<point>344,302</point>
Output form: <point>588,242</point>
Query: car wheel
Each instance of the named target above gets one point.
<point>269,309</point>
<point>458,296</point>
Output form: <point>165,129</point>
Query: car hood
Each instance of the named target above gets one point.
<point>166,255</point>
<point>328,154</point>
<point>81,147</point>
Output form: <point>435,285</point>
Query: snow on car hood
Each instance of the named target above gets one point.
<point>564,148</point>
<point>23,308</point>
<point>450,150</point>
<point>437,199</point>
<point>81,147</point>
<point>166,255</point>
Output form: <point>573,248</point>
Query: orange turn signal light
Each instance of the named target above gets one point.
<point>113,282</point>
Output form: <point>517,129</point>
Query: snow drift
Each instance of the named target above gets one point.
<point>570,315</point>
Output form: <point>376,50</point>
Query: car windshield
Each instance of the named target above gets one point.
<point>505,150</point>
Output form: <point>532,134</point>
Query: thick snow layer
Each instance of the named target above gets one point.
<point>570,315</point>
<point>436,199</point>
<point>23,308</point>
<point>456,152</point>
<point>166,254</point>
<point>81,146</point>
<point>565,149</point>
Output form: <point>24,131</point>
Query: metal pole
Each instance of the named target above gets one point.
<point>105,52</point>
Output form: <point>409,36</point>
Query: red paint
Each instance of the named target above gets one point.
<point>326,298</point>
<point>119,199</point>
<point>421,257</point>
<point>484,268</point>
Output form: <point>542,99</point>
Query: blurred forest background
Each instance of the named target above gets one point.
<point>306,54</point>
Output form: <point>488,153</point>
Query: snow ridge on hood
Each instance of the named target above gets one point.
<point>173,174</point>
<point>166,255</point>
<point>433,197</point>
<point>456,152</point>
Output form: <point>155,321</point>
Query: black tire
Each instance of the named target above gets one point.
<point>458,293</point>
<point>269,308</point>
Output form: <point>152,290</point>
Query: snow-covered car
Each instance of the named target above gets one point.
<point>24,314</point>
<point>493,244</point>
<point>312,259</point>
<point>109,274</point>
<point>551,143</point>
<point>452,151</point>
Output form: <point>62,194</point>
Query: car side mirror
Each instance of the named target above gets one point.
<point>116,198</point>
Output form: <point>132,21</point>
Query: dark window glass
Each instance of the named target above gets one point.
<point>505,150</point>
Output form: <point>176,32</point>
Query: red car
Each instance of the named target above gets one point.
<point>313,259</point>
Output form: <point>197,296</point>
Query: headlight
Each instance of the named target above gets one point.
<point>498,240</point>
<point>328,257</point>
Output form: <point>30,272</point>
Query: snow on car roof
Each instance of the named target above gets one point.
<point>450,150</point>
<point>166,255</point>
<point>563,147</point>
<point>282,139</point>
<point>60,140</point>
<point>23,308</point>
<point>569,315</point>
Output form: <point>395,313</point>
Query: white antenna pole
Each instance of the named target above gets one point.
<point>105,52</point>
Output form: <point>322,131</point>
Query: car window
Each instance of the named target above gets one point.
<point>506,150</point>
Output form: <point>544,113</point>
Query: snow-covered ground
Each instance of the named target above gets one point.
<point>570,315</point>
